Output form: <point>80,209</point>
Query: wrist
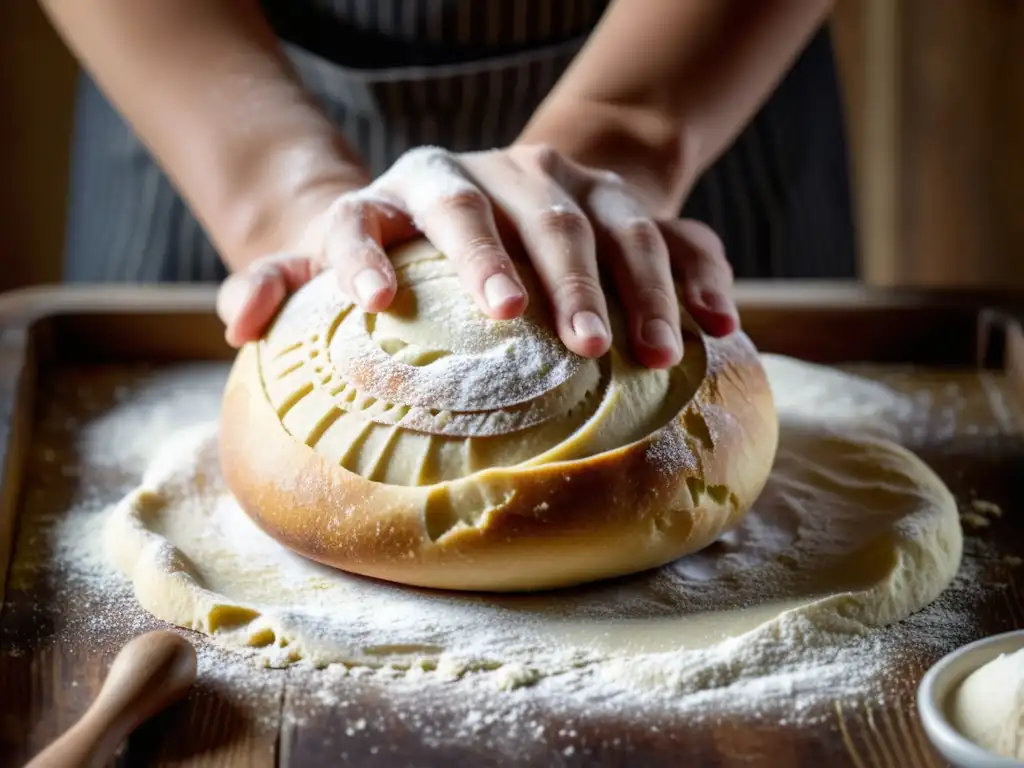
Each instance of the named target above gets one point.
<point>286,188</point>
<point>655,155</point>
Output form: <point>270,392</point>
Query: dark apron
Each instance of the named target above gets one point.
<point>466,75</point>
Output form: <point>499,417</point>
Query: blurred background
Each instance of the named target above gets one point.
<point>934,93</point>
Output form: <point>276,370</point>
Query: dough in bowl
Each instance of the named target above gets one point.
<point>432,446</point>
<point>988,707</point>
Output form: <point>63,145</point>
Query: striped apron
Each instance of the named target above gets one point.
<point>467,75</point>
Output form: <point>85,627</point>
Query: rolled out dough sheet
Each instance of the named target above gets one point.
<point>852,532</point>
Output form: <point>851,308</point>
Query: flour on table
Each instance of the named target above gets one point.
<point>822,394</point>
<point>852,533</point>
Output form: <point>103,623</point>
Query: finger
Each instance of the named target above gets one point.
<point>249,299</point>
<point>698,255</point>
<point>640,262</point>
<point>354,247</point>
<point>559,241</point>
<point>643,273</point>
<point>456,216</point>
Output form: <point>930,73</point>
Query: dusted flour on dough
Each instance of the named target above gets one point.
<point>434,391</point>
<point>852,532</point>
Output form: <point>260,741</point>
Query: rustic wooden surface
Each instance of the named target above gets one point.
<point>52,660</point>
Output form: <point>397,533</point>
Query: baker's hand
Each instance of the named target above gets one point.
<point>557,209</point>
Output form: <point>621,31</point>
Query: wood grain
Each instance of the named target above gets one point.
<point>37,88</point>
<point>53,659</point>
<point>932,91</point>
<point>17,383</point>
<point>149,673</point>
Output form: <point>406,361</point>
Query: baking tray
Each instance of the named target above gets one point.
<point>48,676</point>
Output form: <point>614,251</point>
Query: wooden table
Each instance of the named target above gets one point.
<point>52,660</point>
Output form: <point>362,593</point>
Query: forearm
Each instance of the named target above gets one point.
<point>663,87</point>
<point>207,88</point>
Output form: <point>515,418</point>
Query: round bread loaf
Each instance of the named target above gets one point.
<point>432,446</point>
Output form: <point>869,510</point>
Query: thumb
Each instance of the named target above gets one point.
<point>250,298</point>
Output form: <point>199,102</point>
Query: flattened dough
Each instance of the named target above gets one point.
<point>852,532</point>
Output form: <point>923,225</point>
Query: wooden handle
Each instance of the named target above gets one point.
<point>149,673</point>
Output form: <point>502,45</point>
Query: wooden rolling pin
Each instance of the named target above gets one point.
<point>151,672</point>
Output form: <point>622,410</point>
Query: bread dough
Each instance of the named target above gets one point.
<point>434,391</point>
<point>988,707</point>
<point>430,445</point>
<point>851,532</point>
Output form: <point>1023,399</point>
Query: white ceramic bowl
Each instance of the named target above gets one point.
<point>938,686</point>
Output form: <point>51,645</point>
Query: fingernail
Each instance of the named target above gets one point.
<point>588,325</point>
<point>368,284</point>
<point>716,302</point>
<point>499,289</point>
<point>658,333</point>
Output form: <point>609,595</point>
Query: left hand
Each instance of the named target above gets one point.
<point>559,211</point>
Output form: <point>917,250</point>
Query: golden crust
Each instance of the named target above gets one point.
<point>533,527</point>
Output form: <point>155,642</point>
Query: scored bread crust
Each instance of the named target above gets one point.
<point>522,527</point>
